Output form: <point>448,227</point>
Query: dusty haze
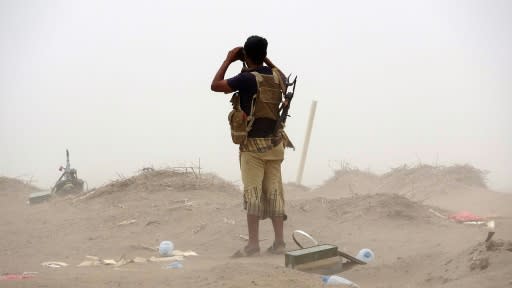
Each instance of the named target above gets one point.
<point>125,84</point>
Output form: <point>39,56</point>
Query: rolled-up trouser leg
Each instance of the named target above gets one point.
<point>263,187</point>
<point>252,177</point>
<point>272,196</point>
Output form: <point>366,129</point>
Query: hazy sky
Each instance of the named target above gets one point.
<point>126,84</point>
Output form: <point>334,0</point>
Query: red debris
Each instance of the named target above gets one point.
<point>465,216</point>
<point>15,276</point>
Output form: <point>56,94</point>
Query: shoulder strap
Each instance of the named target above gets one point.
<point>251,119</point>
<point>277,77</point>
<point>258,77</point>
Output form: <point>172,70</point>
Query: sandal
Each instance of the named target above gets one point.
<point>246,252</point>
<point>277,248</point>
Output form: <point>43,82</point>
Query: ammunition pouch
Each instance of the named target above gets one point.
<point>237,121</point>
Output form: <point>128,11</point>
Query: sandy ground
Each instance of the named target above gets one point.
<point>388,213</point>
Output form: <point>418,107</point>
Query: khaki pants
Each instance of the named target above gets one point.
<point>263,186</point>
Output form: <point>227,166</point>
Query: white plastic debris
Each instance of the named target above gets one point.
<point>54,264</point>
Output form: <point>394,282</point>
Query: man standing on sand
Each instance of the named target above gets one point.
<point>262,153</point>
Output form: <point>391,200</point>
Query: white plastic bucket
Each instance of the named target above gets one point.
<point>365,255</point>
<point>165,249</point>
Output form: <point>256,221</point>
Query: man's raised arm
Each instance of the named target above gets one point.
<point>218,82</point>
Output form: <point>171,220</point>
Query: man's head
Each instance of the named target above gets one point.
<point>256,49</point>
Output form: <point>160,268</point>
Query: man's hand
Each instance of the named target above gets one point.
<point>218,82</point>
<point>234,54</point>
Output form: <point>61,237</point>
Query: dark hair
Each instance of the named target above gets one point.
<point>256,48</point>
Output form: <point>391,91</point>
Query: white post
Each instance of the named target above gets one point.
<point>306,143</point>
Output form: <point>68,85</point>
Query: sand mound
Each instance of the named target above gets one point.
<point>484,257</point>
<point>479,257</point>
<point>369,208</point>
<point>419,182</point>
<point>404,180</point>
<point>456,188</point>
<point>16,185</point>
<point>350,181</point>
<point>150,180</point>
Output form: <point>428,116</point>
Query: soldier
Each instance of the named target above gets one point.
<point>260,89</point>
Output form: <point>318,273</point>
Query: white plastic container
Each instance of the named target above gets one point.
<point>334,280</point>
<point>165,249</point>
<point>365,255</point>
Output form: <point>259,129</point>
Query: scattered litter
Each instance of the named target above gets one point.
<point>122,262</point>
<point>108,262</point>
<point>166,259</point>
<point>184,253</point>
<point>174,265</point>
<point>139,260</point>
<point>145,247</point>
<point>127,222</point>
<point>469,218</point>
<point>184,201</point>
<point>24,275</point>
<point>489,224</point>
<point>54,264</point>
<point>474,222</point>
<point>338,280</point>
<point>177,256</point>
<point>89,263</point>
<point>465,216</point>
<point>229,221</point>
<point>437,213</point>
<point>96,261</point>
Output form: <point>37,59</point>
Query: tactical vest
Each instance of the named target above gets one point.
<point>266,101</point>
<point>264,104</point>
